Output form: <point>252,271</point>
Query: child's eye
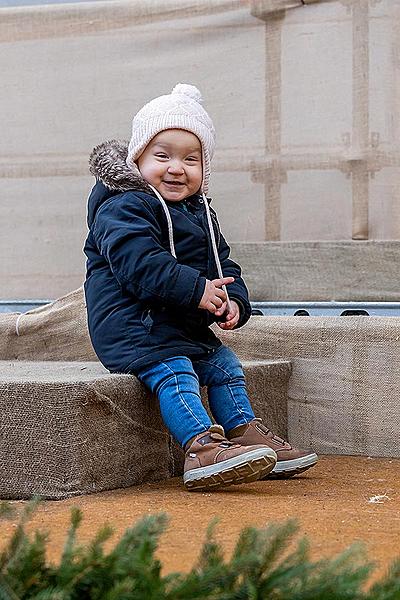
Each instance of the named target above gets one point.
<point>161,155</point>
<point>192,159</point>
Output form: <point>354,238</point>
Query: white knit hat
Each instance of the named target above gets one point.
<point>181,109</point>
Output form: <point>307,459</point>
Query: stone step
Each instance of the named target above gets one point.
<point>71,428</point>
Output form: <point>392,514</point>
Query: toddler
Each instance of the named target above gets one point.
<point>158,275</point>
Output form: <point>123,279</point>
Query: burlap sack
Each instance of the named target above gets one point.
<point>56,331</point>
<point>71,428</point>
<point>344,390</point>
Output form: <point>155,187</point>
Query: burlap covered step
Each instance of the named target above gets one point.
<point>71,428</point>
<point>344,391</point>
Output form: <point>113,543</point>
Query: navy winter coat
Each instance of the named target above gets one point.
<point>142,303</point>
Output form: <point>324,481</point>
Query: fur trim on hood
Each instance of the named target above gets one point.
<point>107,163</point>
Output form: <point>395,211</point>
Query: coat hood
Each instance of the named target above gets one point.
<point>107,163</point>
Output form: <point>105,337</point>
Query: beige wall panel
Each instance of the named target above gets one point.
<point>316,205</point>
<point>384,204</point>
<point>306,103</point>
<point>239,206</point>
<point>41,247</point>
<point>316,78</point>
<point>384,67</point>
<point>384,121</point>
<point>70,93</point>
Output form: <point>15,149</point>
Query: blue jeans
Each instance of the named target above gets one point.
<point>176,383</point>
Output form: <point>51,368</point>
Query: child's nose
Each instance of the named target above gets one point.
<point>175,167</point>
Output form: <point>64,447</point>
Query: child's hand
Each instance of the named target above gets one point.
<point>232,317</point>
<point>214,296</point>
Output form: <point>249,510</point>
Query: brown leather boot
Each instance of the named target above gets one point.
<point>291,461</point>
<point>211,461</point>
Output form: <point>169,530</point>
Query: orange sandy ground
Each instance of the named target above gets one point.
<point>331,502</point>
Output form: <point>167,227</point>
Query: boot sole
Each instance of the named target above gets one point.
<point>245,468</point>
<point>284,469</point>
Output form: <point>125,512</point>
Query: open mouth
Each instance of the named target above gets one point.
<point>174,183</point>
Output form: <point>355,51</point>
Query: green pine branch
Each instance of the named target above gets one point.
<point>266,563</point>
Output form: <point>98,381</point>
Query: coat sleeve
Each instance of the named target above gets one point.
<point>237,290</point>
<point>128,235</point>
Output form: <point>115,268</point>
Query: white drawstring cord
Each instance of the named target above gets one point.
<point>212,235</point>
<point>169,221</point>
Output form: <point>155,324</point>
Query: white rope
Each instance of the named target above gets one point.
<point>17,324</point>
<point>169,221</point>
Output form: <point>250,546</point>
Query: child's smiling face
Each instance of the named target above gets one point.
<point>172,163</point>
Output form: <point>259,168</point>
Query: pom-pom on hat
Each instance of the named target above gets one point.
<point>181,109</point>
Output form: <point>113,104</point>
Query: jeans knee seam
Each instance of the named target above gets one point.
<point>216,366</point>
<point>239,409</point>
<point>236,404</point>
